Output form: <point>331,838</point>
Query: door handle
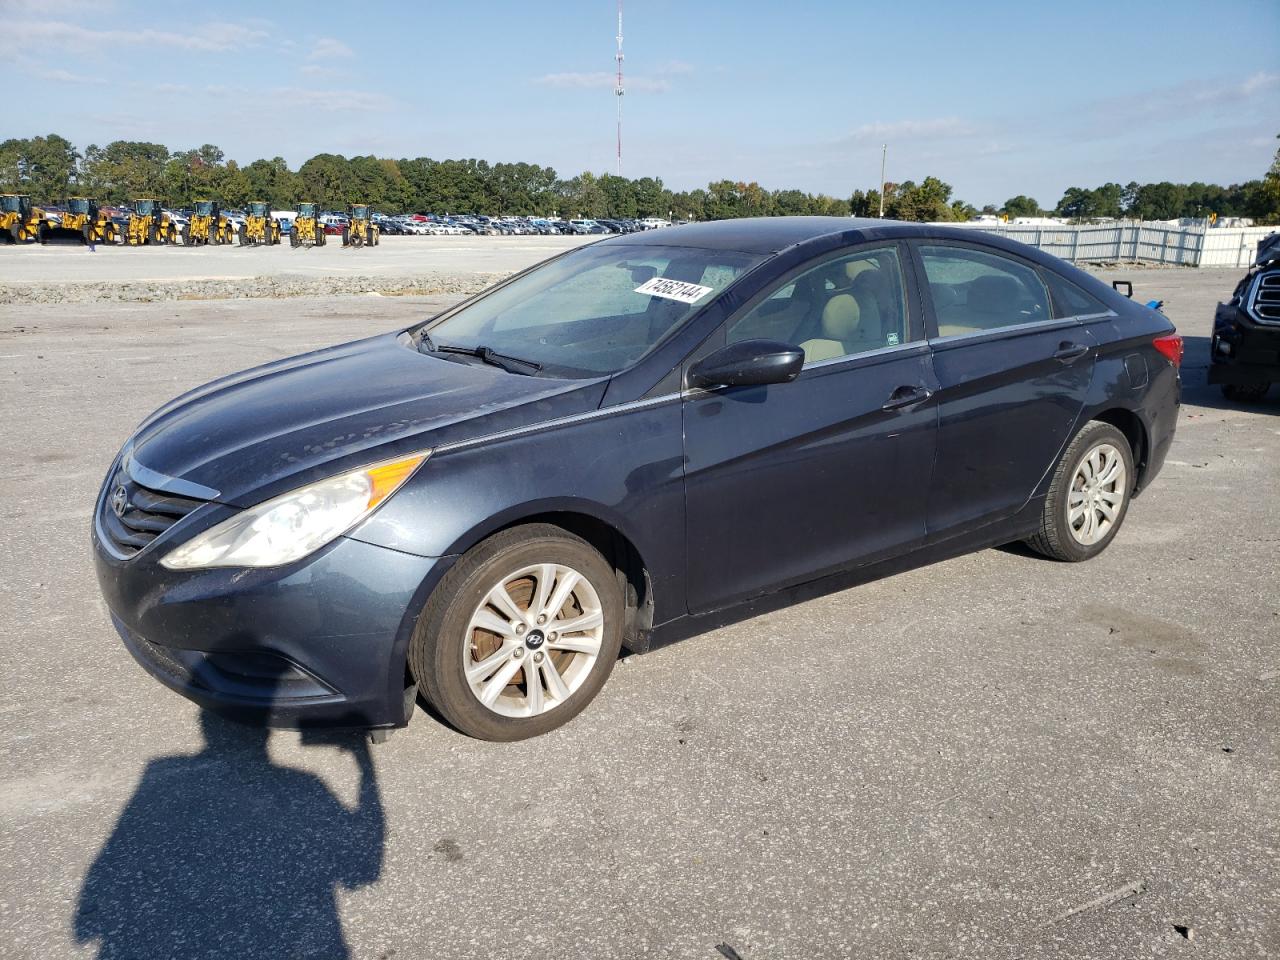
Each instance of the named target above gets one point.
<point>1068,351</point>
<point>905,396</point>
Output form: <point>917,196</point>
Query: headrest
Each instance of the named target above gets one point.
<point>840,317</point>
<point>856,268</point>
<point>870,282</point>
<point>993,294</point>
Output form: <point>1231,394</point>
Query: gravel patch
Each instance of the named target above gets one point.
<point>273,287</point>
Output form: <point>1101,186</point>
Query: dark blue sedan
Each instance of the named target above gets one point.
<point>625,445</point>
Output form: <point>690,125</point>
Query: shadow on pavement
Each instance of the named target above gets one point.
<point>223,853</point>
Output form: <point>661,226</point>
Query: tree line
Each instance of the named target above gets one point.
<point>51,168</point>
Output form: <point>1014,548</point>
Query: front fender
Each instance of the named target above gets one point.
<point>622,466</point>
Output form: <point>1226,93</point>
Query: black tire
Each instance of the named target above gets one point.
<point>151,234</point>
<point>244,234</point>
<point>375,236</point>
<point>293,238</point>
<point>186,234</point>
<point>436,652</point>
<point>1245,393</point>
<point>346,236</point>
<point>321,237</point>
<point>1055,539</point>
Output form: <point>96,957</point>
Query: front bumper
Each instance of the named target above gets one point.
<point>321,642</point>
<point>1243,352</point>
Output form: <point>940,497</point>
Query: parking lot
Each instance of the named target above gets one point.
<point>997,756</point>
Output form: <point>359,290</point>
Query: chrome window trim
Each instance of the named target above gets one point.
<point>1059,324</point>
<point>918,345</point>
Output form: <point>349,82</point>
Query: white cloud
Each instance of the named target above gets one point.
<point>602,80</point>
<point>660,81</point>
<point>58,75</point>
<point>209,38</point>
<point>327,48</point>
<point>899,130</point>
<point>312,70</point>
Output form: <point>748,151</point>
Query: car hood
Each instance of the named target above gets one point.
<point>257,433</point>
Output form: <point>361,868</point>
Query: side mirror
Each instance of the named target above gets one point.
<point>1128,287</point>
<point>748,363</point>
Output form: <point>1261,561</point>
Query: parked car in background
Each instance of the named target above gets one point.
<point>631,443</point>
<point>1244,352</point>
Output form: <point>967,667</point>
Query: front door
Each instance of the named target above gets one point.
<point>787,482</point>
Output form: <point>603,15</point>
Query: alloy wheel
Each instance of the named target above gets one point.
<point>533,640</point>
<point>1098,489</point>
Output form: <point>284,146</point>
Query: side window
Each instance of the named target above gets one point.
<point>975,291</point>
<point>1068,299</point>
<point>843,306</point>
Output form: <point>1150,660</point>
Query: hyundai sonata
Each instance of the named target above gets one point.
<point>622,446</point>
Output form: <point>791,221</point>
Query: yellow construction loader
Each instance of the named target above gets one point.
<point>148,224</point>
<point>84,219</point>
<point>19,220</point>
<point>207,225</point>
<point>307,230</point>
<point>259,226</point>
<point>361,231</point>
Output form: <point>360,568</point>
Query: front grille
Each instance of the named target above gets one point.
<point>133,518</point>
<point>1266,299</point>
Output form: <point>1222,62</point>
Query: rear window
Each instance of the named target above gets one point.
<point>974,291</point>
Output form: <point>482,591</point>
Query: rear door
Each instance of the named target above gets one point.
<point>1012,381</point>
<point>789,481</point>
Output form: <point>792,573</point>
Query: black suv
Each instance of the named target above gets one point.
<point>1244,355</point>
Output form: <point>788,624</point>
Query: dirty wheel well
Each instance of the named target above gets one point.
<point>1128,423</point>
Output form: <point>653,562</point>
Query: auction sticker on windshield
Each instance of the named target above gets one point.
<point>674,290</point>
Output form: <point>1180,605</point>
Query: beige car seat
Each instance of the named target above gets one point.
<point>846,328</point>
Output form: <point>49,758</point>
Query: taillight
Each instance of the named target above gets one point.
<point>1171,347</point>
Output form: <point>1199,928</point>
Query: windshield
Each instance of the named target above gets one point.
<point>306,209</point>
<point>10,204</point>
<point>78,205</point>
<point>143,208</point>
<point>597,309</point>
<point>258,209</point>
<point>360,213</point>
<point>204,208</point>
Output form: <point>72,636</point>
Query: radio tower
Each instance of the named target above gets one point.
<point>617,90</point>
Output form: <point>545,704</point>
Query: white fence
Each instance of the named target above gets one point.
<point>1195,246</point>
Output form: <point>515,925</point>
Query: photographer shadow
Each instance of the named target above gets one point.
<point>224,853</point>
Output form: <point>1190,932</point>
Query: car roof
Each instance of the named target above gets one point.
<point>769,234</point>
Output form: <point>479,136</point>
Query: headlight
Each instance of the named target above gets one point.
<point>297,523</point>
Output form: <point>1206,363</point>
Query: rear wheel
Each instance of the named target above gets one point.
<point>1089,495</point>
<point>520,635</point>
<point>293,237</point>
<point>1245,393</point>
<point>244,235</point>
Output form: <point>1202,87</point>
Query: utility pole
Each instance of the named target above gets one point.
<point>617,89</point>
<point>884,150</point>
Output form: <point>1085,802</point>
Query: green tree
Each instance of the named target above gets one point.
<point>1021,206</point>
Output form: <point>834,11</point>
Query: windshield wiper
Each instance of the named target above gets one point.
<point>487,355</point>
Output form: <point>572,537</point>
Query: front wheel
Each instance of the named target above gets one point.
<point>1089,495</point>
<point>520,635</point>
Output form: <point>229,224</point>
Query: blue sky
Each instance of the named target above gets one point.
<point>995,98</point>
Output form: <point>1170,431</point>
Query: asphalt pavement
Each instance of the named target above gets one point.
<point>998,756</point>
